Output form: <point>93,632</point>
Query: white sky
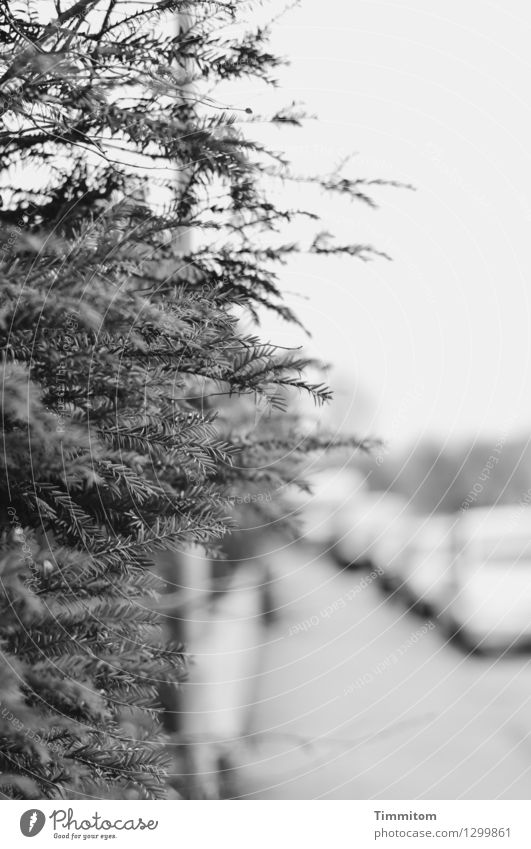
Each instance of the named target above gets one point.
<point>437,95</point>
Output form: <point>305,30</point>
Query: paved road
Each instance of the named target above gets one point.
<point>358,698</point>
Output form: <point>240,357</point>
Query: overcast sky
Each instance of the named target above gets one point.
<point>437,95</point>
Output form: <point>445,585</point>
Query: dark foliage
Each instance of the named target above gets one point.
<point>123,354</point>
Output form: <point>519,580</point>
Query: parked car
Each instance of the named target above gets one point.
<point>390,549</point>
<point>333,491</point>
<point>426,567</point>
<point>489,603</point>
<point>371,533</point>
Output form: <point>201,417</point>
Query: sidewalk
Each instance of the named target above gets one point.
<point>357,698</point>
<point>296,724</point>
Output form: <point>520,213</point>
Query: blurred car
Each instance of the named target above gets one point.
<point>489,603</point>
<point>333,490</point>
<point>426,567</point>
<point>371,533</point>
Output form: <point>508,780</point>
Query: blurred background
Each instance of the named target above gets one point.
<point>387,641</point>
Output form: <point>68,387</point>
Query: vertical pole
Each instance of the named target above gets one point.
<point>188,573</point>
<point>172,564</point>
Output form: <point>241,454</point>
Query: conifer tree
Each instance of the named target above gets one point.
<point>122,352</point>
